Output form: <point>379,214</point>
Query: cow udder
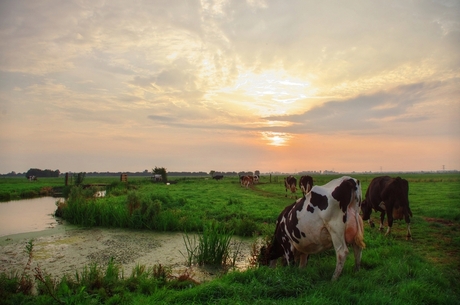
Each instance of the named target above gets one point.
<point>354,228</point>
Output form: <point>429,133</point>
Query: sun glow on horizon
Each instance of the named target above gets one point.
<point>276,138</point>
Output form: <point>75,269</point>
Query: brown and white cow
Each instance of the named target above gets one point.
<point>305,184</point>
<point>328,216</point>
<point>290,183</point>
<point>246,181</point>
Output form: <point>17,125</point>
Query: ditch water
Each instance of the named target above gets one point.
<point>67,248</point>
<point>27,215</point>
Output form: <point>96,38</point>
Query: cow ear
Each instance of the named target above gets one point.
<point>343,193</point>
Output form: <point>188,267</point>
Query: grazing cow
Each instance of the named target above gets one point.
<point>218,177</point>
<point>305,184</point>
<point>290,183</point>
<point>255,179</point>
<point>328,216</point>
<point>391,196</point>
<point>246,181</point>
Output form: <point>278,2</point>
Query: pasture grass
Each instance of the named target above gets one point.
<point>424,270</point>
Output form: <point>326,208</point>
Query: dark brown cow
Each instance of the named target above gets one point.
<point>305,184</point>
<point>388,196</point>
<point>327,217</point>
<point>290,183</point>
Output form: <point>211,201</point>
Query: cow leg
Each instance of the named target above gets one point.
<point>371,223</point>
<point>357,251</point>
<point>341,251</point>
<point>409,235</point>
<point>303,260</point>
<point>390,220</point>
<point>341,255</point>
<point>382,218</point>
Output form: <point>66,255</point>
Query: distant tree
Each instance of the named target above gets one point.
<point>212,173</point>
<point>161,171</point>
<point>42,173</point>
<point>78,178</point>
<point>257,173</point>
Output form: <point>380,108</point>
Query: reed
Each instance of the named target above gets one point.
<point>211,247</point>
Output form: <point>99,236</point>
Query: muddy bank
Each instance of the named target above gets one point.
<point>66,249</point>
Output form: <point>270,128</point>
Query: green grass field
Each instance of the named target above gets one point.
<point>425,270</point>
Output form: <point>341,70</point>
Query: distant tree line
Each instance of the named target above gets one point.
<point>42,173</point>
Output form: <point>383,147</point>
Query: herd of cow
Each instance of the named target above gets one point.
<point>328,216</point>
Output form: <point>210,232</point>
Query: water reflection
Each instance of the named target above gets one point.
<point>27,215</point>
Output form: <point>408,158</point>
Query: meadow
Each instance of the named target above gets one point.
<point>424,270</point>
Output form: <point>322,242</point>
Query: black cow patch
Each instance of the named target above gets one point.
<point>310,209</point>
<point>319,201</point>
<point>342,193</point>
<point>291,225</point>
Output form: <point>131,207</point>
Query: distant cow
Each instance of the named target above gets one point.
<point>255,179</point>
<point>246,181</point>
<point>290,183</point>
<point>156,178</point>
<point>327,217</point>
<point>391,196</point>
<point>218,177</point>
<point>305,184</point>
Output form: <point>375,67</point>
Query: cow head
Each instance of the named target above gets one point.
<point>396,193</point>
<point>366,208</point>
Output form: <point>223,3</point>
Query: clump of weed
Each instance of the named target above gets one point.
<point>46,191</point>
<point>260,252</point>
<point>25,284</point>
<point>245,227</point>
<point>61,205</point>
<point>184,280</point>
<point>235,201</point>
<point>209,248</point>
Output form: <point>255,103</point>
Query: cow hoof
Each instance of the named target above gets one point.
<point>372,225</point>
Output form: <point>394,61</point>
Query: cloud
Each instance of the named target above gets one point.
<point>383,112</point>
<point>259,70</point>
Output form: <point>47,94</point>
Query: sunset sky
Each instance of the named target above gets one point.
<point>229,85</point>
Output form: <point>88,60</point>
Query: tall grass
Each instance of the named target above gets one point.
<point>212,247</point>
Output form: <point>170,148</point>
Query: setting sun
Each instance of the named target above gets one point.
<point>276,138</point>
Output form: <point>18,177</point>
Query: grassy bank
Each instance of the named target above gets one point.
<point>425,270</point>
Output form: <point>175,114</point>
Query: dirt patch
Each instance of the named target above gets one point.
<point>441,221</point>
<point>68,250</point>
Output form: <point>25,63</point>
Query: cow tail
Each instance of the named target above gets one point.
<point>359,237</point>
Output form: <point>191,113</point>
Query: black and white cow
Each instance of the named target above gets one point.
<point>305,184</point>
<point>327,217</point>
